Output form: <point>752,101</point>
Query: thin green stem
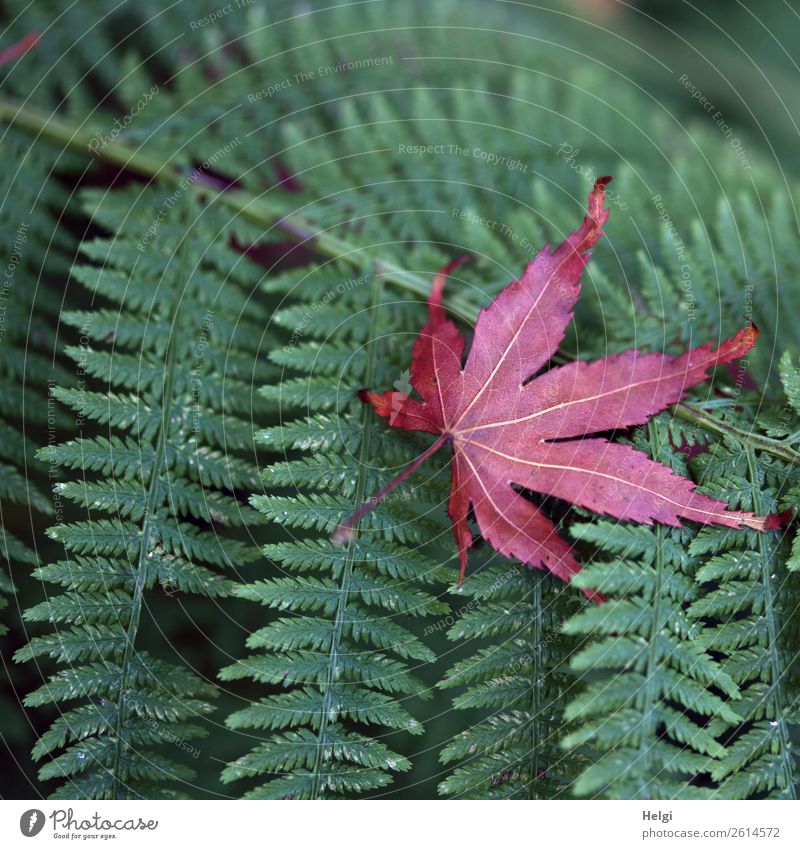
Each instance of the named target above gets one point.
<point>718,426</point>
<point>39,123</point>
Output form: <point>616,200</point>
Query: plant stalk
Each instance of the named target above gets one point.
<point>344,533</point>
<point>720,427</point>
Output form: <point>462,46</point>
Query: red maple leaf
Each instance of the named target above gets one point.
<point>510,433</point>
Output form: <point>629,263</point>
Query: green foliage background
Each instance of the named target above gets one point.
<point>219,225</point>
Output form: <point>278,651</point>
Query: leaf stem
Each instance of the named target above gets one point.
<point>344,533</point>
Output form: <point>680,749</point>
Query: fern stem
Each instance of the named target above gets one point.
<point>645,755</point>
<point>253,207</point>
<point>39,123</point>
<point>536,683</point>
<point>720,427</point>
<point>775,689</point>
<point>147,529</point>
<point>331,672</point>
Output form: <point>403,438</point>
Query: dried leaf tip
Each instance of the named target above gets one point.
<point>775,521</point>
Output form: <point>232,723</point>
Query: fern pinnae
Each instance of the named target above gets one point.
<point>649,716</point>
<point>749,610</point>
<point>537,671</point>
<point>33,285</point>
<point>647,707</point>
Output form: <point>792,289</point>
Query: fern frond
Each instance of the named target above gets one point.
<point>344,655</point>
<point>517,681</point>
<point>159,498</point>
<point>750,621</point>
<point>648,712</point>
<point>393,169</point>
<point>677,710</point>
<point>36,268</point>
